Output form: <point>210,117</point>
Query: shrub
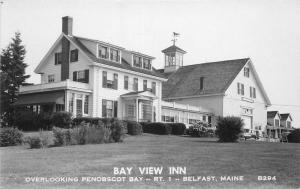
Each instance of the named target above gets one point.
<point>26,120</point>
<point>60,136</point>
<point>294,136</point>
<point>229,128</point>
<point>107,130</point>
<point>177,128</point>
<point>156,128</point>
<point>34,142</point>
<point>10,136</point>
<point>200,129</point>
<point>117,130</point>
<point>134,128</point>
<point>62,119</point>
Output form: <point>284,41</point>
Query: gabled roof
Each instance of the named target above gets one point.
<point>285,116</point>
<point>272,114</point>
<point>92,58</point>
<point>217,78</point>
<point>173,48</point>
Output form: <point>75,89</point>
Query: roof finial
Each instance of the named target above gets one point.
<point>175,35</point>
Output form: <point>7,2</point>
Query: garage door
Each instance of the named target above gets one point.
<point>247,122</point>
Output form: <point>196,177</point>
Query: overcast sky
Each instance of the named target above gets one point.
<point>267,31</point>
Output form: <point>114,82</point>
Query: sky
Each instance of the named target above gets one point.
<point>267,31</point>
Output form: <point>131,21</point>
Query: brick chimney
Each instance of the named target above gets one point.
<point>67,27</point>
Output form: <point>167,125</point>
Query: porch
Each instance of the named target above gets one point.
<point>138,106</point>
<point>53,97</point>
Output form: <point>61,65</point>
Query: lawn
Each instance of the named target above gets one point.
<point>201,157</point>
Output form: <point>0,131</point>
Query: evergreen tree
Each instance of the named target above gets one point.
<point>12,76</point>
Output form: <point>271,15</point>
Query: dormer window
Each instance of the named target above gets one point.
<point>147,64</point>
<point>114,55</point>
<point>103,52</point>
<point>141,62</point>
<point>137,61</point>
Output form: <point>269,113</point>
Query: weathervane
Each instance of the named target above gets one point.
<point>175,35</point>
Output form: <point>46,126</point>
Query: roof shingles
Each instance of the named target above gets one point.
<point>123,65</point>
<point>217,78</point>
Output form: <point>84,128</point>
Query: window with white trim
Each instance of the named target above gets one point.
<point>246,72</point>
<point>102,52</point>
<point>252,92</point>
<point>240,88</point>
<point>51,78</point>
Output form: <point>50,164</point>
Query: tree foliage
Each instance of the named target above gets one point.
<point>229,128</point>
<point>12,76</point>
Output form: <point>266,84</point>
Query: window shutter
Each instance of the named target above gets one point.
<point>75,76</point>
<point>238,88</point>
<point>254,92</point>
<point>115,81</point>
<point>104,79</point>
<point>250,92</point>
<point>144,85</point>
<point>86,75</point>
<point>115,108</point>
<point>103,108</point>
<point>55,59</point>
<point>242,86</point>
<point>154,88</point>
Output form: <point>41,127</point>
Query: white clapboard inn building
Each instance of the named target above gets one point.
<point>93,78</point>
<point>228,88</point>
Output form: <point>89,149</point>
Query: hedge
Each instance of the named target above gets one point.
<point>177,128</point>
<point>134,128</point>
<point>157,128</point>
<point>105,131</point>
<point>294,136</point>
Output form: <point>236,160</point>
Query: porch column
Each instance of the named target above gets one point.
<point>137,109</point>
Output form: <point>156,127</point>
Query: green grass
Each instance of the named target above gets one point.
<point>201,157</point>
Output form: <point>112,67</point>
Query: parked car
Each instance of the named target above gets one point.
<point>248,135</point>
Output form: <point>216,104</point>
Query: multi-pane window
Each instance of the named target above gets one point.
<point>86,105</point>
<point>204,118</point>
<point>109,108</point>
<point>147,64</point>
<point>112,84</point>
<point>201,83</point>
<point>125,82</point>
<point>58,58</point>
<point>71,103</point>
<point>240,88</point>
<point>135,84</point>
<point>102,52</point>
<point>144,85</point>
<point>246,72</point>
<point>74,55</point>
<point>252,92</point>
<point>50,78</point>
<point>114,55</point>
<point>153,87</point>
<point>81,76</point>
<point>277,122</point>
<point>137,61</point>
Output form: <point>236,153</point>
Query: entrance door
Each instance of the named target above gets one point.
<point>78,107</point>
<point>247,122</point>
